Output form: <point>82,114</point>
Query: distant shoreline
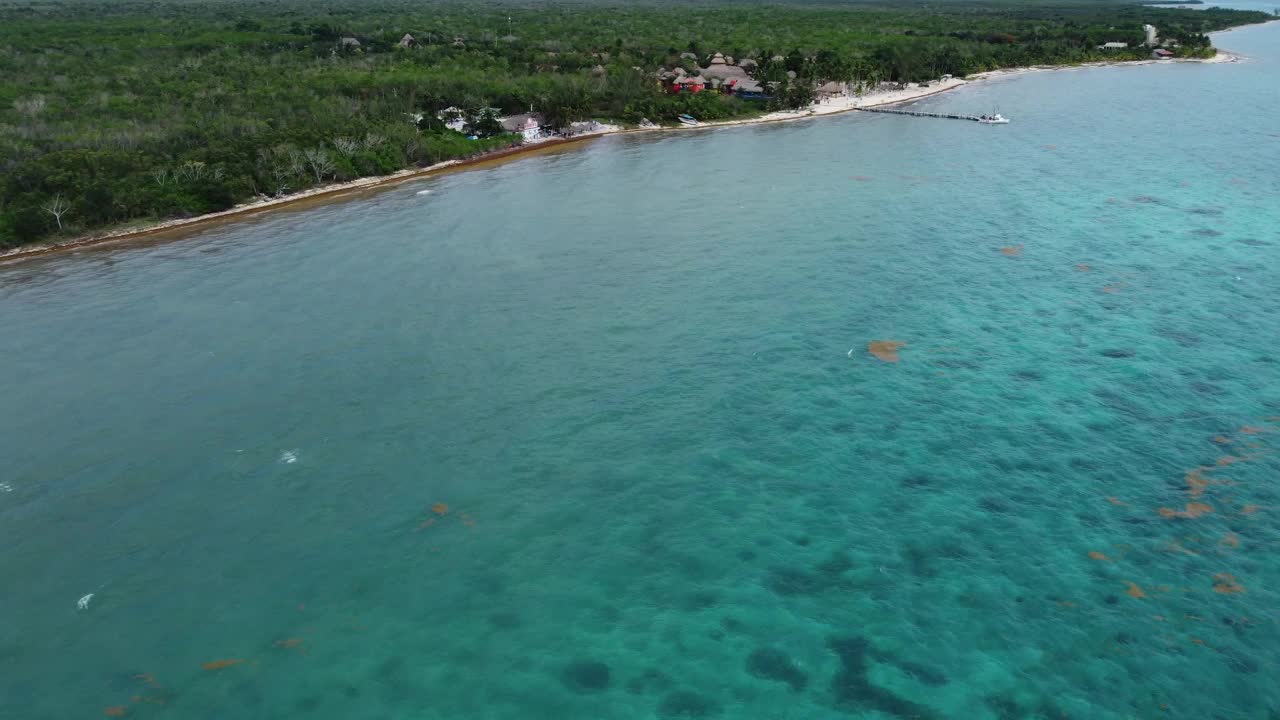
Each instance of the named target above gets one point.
<point>331,191</point>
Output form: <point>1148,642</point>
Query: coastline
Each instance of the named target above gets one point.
<point>832,106</point>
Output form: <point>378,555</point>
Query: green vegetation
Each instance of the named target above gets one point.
<point>123,111</point>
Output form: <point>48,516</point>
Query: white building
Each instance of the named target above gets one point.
<point>454,118</point>
<point>528,125</point>
<point>1152,38</point>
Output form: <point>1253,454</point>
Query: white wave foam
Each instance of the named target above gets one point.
<point>289,457</point>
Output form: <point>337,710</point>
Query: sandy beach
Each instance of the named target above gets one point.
<point>830,106</point>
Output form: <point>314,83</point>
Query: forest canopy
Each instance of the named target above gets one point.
<point>125,112</point>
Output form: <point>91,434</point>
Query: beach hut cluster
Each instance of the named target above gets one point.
<point>723,75</point>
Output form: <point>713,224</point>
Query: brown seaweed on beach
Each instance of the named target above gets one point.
<point>886,350</point>
<point>1226,584</point>
<point>220,664</point>
<point>1012,250</point>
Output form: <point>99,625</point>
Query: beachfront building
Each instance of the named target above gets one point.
<point>750,90</point>
<point>1153,39</point>
<point>454,118</point>
<point>724,75</point>
<point>831,90</point>
<point>1161,54</point>
<point>1113,46</point>
<point>689,84</point>
<point>526,125</point>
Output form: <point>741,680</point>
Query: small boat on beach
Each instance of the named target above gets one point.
<point>993,119</point>
<point>688,120</point>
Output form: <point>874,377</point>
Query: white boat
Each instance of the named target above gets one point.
<point>993,119</point>
<point>688,120</point>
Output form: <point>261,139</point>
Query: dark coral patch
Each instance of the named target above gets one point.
<point>850,684</point>
<point>687,704</point>
<point>586,676</point>
<point>854,693</point>
<point>771,664</point>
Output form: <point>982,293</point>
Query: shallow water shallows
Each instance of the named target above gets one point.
<point>602,434</point>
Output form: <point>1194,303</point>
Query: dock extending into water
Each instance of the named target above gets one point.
<point>915,113</point>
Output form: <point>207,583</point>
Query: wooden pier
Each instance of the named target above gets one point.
<point>915,113</point>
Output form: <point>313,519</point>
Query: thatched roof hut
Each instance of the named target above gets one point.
<point>831,89</point>
<point>516,123</point>
<point>407,41</point>
<point>725,72</point>
<point>717,59</point>
<point>348,43</point>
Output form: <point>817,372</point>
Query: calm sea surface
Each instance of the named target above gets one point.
<point>597,434</point>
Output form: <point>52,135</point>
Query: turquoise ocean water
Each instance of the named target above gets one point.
<point>596,434</point>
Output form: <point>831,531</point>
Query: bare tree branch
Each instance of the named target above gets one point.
<point>57,207</point>
<point>320,162</point>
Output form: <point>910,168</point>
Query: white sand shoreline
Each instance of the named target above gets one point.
<point>831,106</point>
